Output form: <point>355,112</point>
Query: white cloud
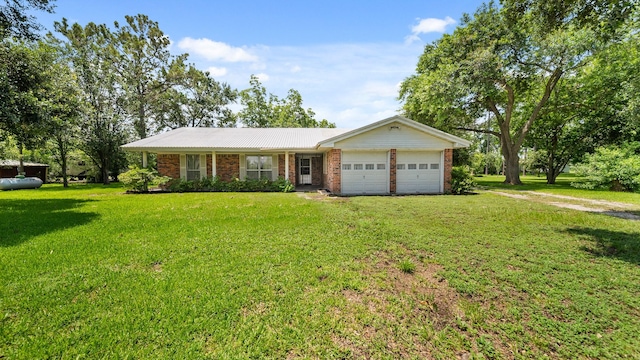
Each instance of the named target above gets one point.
<point>262,77</point>
<point>214,50</point>
<point>349,84</point>
<point>429,25</point>
<point>217,71</point>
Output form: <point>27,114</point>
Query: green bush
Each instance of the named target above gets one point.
<point>139,180</point>
<point>215,184</point>
<point>461,180</point>
<point>610,168</point>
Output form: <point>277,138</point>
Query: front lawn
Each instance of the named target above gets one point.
<point>90,272</point>
<point>561,187</point>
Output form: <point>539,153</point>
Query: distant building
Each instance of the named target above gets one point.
<point>9,169</point>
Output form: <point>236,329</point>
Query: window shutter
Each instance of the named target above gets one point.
<point>274,168</point>
<point>183,166</point>
<point>243,167</point>
<point>203,166</point>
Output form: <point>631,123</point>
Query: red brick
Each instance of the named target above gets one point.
<point>448,164</point>
<point>169,165</point>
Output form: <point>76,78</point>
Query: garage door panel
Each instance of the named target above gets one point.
<point>364,173</point>
<point>418,172</point>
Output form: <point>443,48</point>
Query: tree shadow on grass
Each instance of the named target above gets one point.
<point>615,244</point>
<point>21,220</point>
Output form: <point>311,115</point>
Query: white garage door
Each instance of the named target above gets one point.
<point>365,173</point>
<point>418,172</point>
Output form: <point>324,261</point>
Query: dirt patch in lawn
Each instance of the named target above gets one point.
<point>406,314</point>
<point>610,208</point>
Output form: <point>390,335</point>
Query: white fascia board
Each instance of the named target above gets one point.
<point>457,141</point>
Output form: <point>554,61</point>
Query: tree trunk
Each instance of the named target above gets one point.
<point>512,170</point>
<point>511,163</point>
<point>104,170</point>
<point>20,159</point>
<point>65,178</point>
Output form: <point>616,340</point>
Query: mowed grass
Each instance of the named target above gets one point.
<point>90,272</point>
<point>561,187</point>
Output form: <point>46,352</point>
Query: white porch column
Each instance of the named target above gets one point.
<point>144,159</point>
<point>286,165</point>
<point>213,164</point>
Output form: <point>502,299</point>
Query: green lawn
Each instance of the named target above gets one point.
<point>562,186</point>
<point>90,272</point>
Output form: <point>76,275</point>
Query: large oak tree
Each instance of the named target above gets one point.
<point>507,60</point>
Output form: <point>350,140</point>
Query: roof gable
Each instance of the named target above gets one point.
<point>430,136</point>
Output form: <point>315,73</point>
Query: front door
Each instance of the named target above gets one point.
<point>305,170</point>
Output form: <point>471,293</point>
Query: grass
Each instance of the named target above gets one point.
<point>562,187</point>
<point>89,272</point>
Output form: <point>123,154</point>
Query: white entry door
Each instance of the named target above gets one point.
<point>304,169</point>
<point>365,173</point>
<point>418,172</point>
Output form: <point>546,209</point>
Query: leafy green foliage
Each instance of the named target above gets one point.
<point>462,181</point>
<point>505,61</point>
<point>139,179</point>
<point>16,19</point>
<point>613,168</point>
<point>215,184</point>
<point>267,110</point>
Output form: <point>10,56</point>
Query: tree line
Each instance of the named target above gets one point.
<point>94,88</point>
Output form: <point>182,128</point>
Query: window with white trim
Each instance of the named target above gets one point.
<point>423,166</point>
<point>357,166</point>
<point>411,166</point>
<point>346,166</point>
<point>380,166</point>
<point>399,166</point>
<point>369,167</point>
<point>193,167</point>
<point>435,166</point>
<point>259,167</point>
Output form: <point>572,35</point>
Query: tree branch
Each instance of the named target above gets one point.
<point>495,133</point>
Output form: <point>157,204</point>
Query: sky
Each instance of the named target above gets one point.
<point>346,58</point>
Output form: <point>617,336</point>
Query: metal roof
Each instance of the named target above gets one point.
<point>236,138</point>
<point>17,163</point>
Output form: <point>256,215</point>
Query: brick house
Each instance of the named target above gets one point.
<point>392,156</point>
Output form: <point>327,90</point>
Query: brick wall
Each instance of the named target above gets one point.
<point>334,163</point>
<point>227,166</point>
<point>169,165</point>
<point>292,167</point>
<point>448,164</point>
<point>316,171</point>
<point>209,166</point>
<point>392,171</point>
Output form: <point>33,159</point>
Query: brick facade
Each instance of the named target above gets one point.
<point>334,164</point>
<point>227,166</point>
<point>392,171</point>
<point>209,165</point>
<point>169,165</point>
<point>448,164</point>
<point>316,171</point>
<point>292,167</point>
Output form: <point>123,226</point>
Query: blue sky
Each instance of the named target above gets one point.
<point>346,58</point>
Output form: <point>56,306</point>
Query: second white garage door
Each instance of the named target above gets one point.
<point>418,172</point>
<point>365,173</point>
